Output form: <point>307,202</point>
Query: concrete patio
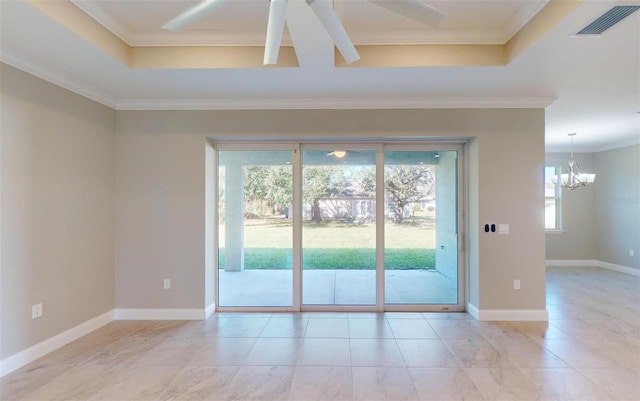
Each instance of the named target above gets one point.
<point>334,287</point>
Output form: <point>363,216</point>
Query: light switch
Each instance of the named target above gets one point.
<point>503,229</point>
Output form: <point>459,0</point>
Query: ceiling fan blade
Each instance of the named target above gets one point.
<point>414,9</point>
<point>194,13</point>
<point>277,13</point>
<point>329,19</point>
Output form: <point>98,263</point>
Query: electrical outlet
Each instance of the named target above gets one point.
<point>632,252</point>
<point>167,283</point>
<point>36,311</point>
<point>516,284</point>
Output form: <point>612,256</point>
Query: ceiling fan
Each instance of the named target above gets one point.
<point>323,10</point>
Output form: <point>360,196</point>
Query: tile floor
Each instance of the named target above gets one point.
<point>589,350</point>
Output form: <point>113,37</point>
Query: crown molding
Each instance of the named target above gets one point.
<point>335,103</point>
<point>20,62</point>
<point>594,148</point>
<point>619,144</point>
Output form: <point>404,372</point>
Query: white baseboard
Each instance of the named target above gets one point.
<point>161,314</point>
<point>571,263</point>
<point>619,268</point>
<point>594,263</point>
<point>36,351</point>
<point>209,311</point>
<point>472,310</point>
<point>513,315</point>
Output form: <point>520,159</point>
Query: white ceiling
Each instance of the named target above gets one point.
<point>591,85</point>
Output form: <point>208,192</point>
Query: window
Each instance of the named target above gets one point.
<point>551,200</point>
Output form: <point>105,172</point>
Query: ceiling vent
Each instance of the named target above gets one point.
<point>607,20</point>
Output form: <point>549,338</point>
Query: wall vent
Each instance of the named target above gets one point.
<point>607,20</point>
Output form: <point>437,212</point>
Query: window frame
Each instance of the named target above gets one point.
<point>557,198</point>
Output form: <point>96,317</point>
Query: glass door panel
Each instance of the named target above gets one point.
<point>255,228</point>
<point>421,242</point>
<point>338,227</point>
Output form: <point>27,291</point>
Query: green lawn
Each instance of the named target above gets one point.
<point>340,258</point>
<point>337,244</point>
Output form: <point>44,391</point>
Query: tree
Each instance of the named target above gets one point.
<point>268,185</point>
<point>320,182</point>
<point>407,184</point>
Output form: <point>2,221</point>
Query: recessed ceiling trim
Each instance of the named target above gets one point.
<point>195,38</point>
<point>524,15</point>
<point>105,19</point>
<point>340,103</point>
<point>406,37</point>
<point>411,37</point>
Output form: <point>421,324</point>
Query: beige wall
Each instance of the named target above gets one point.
<point>600,221</point>
<point>65,223</point>
<point>57,209</point>
<point>160,187</point>
<point>617,201</point>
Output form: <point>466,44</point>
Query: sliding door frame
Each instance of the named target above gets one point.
<point>379,146</point>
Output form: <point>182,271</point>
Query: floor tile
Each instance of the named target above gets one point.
<point>427,353</point>
<point>292,326</point>
<point>243,327</point>
<point>439,384</point>
<point>275,351</point>
<point>176,351</point>
<point>261,383</point>
<point>565,384</point>
<point>137,383</point>
<point>321,383</point>
<point>411,328</point>
<point>200,383</point>
<point>404,315</point>
<point>201,328</point>
<point>366,315</point>
<point>79,383</point>
<point>325,352</point>
<point>375,352</point>
<point>224,351</point>
<point>527,353</point>
<point>622,383</point>
<point>369,328</point>
<point>577,354</point>
<point>477,354</point>
<point>452,328</point>
<point>126,350</point>
<point>503,384</point>
<point>328,328</point>
<point>378,383</point>
<point>17,385</point>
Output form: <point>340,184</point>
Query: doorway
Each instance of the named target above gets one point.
<point>334,226</point>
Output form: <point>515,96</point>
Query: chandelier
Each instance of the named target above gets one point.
<point>573,178</point>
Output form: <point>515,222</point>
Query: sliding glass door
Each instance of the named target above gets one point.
<point>365,226</point>
<point>339,227</point>
<point>421,244</point>
<point>255,249</point>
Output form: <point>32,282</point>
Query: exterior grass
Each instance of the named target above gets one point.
<point>337,244</point>
<point>337,258</point>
